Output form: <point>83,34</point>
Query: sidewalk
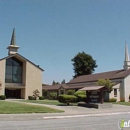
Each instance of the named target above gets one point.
<point>70,111</point>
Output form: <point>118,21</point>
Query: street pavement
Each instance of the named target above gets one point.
<point>70,111</point>
<point>83,123</point>
<point>74,118</point>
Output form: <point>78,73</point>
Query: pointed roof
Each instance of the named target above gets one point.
<point>21,57</point>
<point>126,53</point>
<point>13,40</point>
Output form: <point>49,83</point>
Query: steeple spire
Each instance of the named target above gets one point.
<point>127,60</point>
<point>13,48</point>
<point>13,40</point>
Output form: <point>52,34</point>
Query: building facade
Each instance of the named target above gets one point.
<point>121,79</point>
<point>18,75</point>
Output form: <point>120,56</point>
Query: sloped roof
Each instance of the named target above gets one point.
<point>54,87</point>
<point>117,74</point>
<point>22,58</point>
<point>91,88</point>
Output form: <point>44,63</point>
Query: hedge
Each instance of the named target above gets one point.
<point>67,99</point>
<point>31,98</point>
<point>2,97</point>
<point>41,98</point>
<point>112,100</point>
<point>80,93</point>
<point>81,98</point>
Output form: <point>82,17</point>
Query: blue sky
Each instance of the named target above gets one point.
<point>51,32</point>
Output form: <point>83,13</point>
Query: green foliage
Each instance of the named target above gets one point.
<point>53,95</point>
<point>81,98</point>
<point>83,64</point>
<point>112,100</point>
<point>67,99</point>
<point>70,92</point>
<point>80,93</point>
<point>36,93</point>
<point>54,83</point>
<point>122,100</point>
<point>106,83</point>
<point>2,97</point>
<point>41,98</point>
<point>63,81</point>
<point>44,93</point>
<point>31,98</point>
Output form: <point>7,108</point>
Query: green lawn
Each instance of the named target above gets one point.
<point>49,102</point>
<point>122,103</point>
<point>15,108</point>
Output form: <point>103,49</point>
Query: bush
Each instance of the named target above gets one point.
<point>70,92</point>
<point>53,95</point>
<point>44,93</point>
<point>81,98</point>
<point>41,98</point>
<point>80,93</point>
<point>122,100</point>
<point>67,99</point>
<point>112,100</point>
<point>2,97</point>
<point>31,98</point>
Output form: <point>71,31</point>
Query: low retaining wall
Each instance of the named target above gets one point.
<point>96,105</point>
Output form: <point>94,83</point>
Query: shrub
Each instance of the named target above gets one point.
<point>53,95</point>
<point>81,98</point>
<point>80,93</point>
<point>41,98</point>
<point>112,100</point>
<point>70,92</point>
<point>67,99</point>
<point>122,100</point>
<point>44,93</point>
<point>2,97</point>
<point>36,94</point>
<point>31,98</point>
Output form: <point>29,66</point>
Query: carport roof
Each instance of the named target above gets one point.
<point>91,88</point>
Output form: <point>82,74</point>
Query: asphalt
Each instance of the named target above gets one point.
<point>69,112</point>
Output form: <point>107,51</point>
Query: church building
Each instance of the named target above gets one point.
<point>19,76</point>
<point>121,79</point>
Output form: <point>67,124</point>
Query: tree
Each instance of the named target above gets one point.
<point>106,83</point>
<point>36,94</point>
<point>53,83</point>
<point>83,64</point>
<point>63,81</point>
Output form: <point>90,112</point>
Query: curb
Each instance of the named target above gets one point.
<point>90,115</point>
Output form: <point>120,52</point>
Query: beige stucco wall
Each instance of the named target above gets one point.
<point>127,88</point>
<point>2,76</point>
<point>33,80</point>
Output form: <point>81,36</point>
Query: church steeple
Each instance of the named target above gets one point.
<point>13,48</point>
<point>127,60</point>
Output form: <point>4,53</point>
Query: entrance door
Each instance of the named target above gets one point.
<point>13,93</point>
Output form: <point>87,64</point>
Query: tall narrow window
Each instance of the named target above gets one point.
<point>115,92</point>
<point>13,72</point>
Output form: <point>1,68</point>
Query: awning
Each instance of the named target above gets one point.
<point>91,88</point>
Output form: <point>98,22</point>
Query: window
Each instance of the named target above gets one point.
<point>13,73</point>
<point>115,92</point>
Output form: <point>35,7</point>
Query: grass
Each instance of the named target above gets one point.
<point>48,102</point>
<point>122,103</point>
<point>17,108</point>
